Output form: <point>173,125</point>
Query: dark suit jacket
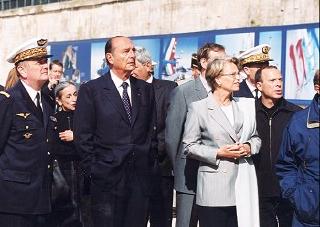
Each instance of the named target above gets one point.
<point>1,88</point>
<point>50,93</point>
<point>162,91</point>
<point>104,136</point>
<point>24,161</point>
<point>244,91</point>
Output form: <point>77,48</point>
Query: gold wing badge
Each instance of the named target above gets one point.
<point>24,115</point>
<point>27,135</point>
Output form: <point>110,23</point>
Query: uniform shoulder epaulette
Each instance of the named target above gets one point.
<point>5,94</point>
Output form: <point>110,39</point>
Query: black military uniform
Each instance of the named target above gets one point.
<point>25,169</point>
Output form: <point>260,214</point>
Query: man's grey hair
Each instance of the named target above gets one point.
<point>142,55</point>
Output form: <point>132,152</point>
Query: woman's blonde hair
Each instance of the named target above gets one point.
<point>12,78</point>
<point>215,68</point>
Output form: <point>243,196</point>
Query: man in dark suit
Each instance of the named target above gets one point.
<point>185,170</point>
<point>24,158</point>
<point>251,60</point>
<point>160,207</point>
<point>115,133</point>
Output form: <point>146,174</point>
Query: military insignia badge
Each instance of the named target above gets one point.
<point>42,42</point>
<point>52,118</point>
<point>27,135</point>
<point>265,49</point>
<point>24,115</point>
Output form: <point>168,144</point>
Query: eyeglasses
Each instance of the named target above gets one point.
<point>232,75</point>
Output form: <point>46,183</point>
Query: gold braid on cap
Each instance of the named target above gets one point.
<point>255,58</point>
<point>30,53</point>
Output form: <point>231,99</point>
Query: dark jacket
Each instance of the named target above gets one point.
<point>62,121</point>
<point>298,165</point>
<point>25,171</point>
<point>66,187</point>
<point>270,130</point>
<point>107,140</point>
<point>1,88</point>
<point>162,91</point>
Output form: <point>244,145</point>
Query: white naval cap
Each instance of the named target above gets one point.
<point>255,54</point>
<point>33,48</point>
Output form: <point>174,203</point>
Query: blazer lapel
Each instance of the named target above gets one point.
<point>114,97</point>
<point>217,114</point>
<point>136,100</point>
<point>238,118</point>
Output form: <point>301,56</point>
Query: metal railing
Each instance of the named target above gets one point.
<point>13,4</point>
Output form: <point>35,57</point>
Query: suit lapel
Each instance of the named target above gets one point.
<point>156,87</point>
<point>136,99</point>
<point>218,115</point>
<point>238,118</point>
<point>114,97</point>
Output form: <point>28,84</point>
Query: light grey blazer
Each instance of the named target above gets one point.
<point>207,128</point>
<point>185,170</point>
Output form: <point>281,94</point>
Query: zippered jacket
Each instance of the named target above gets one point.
<point>270,131</point>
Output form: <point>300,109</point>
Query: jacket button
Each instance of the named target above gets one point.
<point>49,166</point>
<point>48,153</point>
<point>27,127</point>
<point>47,140</point>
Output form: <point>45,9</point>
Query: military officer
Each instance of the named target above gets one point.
<point>251,60</point>
<point>24,158</point>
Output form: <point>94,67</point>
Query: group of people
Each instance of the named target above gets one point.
<point>237,153</point>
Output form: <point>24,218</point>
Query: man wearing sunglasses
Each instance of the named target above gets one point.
<point>24,156</point>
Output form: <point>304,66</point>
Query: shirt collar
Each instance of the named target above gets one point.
<point>205,84</point>
<point>250,86</point>
<point>149,80</point>
<point>32,93</point>
<point>117,81</point>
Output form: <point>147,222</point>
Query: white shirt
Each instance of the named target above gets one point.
<point>228,111</point>
<point>252,89</point>
<point>118,82</point>
<point>32,93</point>
<point>205,83</point>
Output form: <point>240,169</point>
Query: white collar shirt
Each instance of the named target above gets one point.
<point>118,83</point>
<point>252,89</point>
<point>32,93</point>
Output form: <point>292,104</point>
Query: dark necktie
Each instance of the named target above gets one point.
<point>38,103</point>
<point>256,94</point>
<point>126,100</point>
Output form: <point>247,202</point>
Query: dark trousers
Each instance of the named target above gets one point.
<point>274,210</point>
<point>187,215</point>
<point>21,220</point>
<point>217,216</point>
<point>160,207</point>
<point>124,205</point>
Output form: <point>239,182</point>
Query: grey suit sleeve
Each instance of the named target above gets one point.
<point>175,120</point>
<point>192,139</point>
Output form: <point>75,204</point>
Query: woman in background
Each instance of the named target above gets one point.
<point>66,174</point>
<point>220,132</point>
